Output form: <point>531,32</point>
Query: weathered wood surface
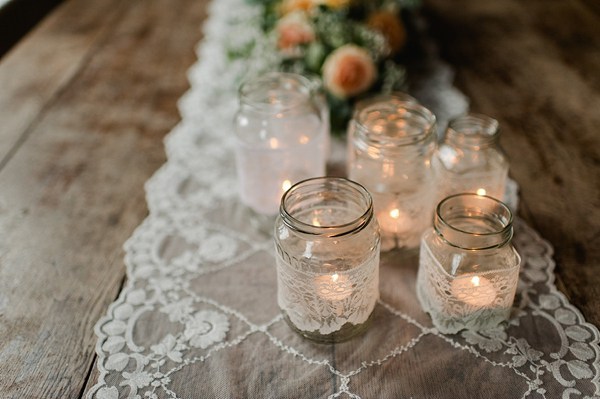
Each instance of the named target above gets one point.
<point>86,98</point>
<point>85,101</point>
<point>535,65</point>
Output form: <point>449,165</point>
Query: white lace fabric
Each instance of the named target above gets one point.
<point>198,317</point>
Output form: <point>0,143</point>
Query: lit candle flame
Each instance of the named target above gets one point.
<point>395,213</point>
<point>273,142</point>
<point>481,191</point>
<point>286,185</point>
<point>316,222</point>
<point>335,277</point>
<point>475,281</point>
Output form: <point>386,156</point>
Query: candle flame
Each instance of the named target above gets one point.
<point>335,277</point>
<point>286,185</point>
<point>273,142</point>
<point>315,222</point>
<point>395,213</point>
<point>481,191</point>
<point>475,281</point>
<point>303,139</point>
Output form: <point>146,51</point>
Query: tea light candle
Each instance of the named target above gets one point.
<point>453,285</point>
<point>469,159</point>
<point>327,254</point>
<point>285,186</point>
<point>390,147</point>
<point>475,291</point>
<point>333,287</point>
<point>394,221</point>
<point>279,139</point>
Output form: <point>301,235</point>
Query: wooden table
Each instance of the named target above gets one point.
<point>87,97</point>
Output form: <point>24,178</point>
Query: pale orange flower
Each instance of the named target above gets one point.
<point>348,71</point>
<point>391,27</point>
<point>294,29</point>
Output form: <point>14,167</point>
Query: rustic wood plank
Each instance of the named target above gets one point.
<point>72,193</point>
<point>17,17</point>
<point>32,74</point>
<point>535,66</point>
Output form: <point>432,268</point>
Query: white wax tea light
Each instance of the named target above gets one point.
<point>334,287</point>
<point>476,291</point>
<point>286,185</point>
<point>468,270</point>
<point>394,221</point>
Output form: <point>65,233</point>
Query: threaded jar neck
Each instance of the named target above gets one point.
<point>394,124</point>
<point>276,92</point>
<point>473,131</point>
<point>326,206</point>
<point>473,222</point>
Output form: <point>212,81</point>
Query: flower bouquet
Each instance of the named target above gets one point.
<point>354,46</point>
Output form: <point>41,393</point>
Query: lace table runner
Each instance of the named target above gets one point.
<point>199,318</point>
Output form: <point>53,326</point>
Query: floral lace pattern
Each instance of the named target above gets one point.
<point>351,299</point>
<point>453,306</point>
<point>198,316</point>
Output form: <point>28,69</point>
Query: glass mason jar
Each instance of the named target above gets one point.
<point>280,138</point>
<point>327,252</point>
<point>390,149</point>
<point>468,269</point>
<point>470,159</point>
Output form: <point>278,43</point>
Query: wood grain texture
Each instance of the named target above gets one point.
<point>535,66</point>
<point>95,107</point>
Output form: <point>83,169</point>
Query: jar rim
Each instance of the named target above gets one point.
<point>261,82</point>
<point>473,130</point>
<point>426,119</point>
<point>473,240</point>
<point>353,226</point>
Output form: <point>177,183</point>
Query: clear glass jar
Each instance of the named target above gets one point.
<point>390,150</point>
<point>470,159</point>
<point>327,251</point>
<point>280,138</point>
<point>468,269</point>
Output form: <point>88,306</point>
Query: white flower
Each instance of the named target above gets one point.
<point>206,328</point>
<point>217,248</point>
<point>139,379</point>
<point>169,347</point>
<point>178,311</point>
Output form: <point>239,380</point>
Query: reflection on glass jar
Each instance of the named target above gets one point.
<point>280,138</point>
<point>390,153</point>
<point>470,159</point>
<point>468,269</point>
<point>327,251</point>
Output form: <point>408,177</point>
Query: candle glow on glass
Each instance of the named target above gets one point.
<point>476,291</point>
<point>333,287</point>
<point>286,185</point>
<point>481,191</point>
<point>394,221</point>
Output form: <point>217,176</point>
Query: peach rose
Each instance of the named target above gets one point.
<point>294,29</point>
<point>391,27</point>
<point>348,71</point>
